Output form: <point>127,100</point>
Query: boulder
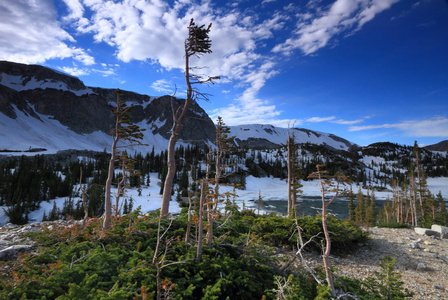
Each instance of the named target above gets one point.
<point>12,252</point>
<point>442,230</point>
<point>426,231</point>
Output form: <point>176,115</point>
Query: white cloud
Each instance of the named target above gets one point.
<point>347,122</point>
<point>333,119</point>
<point>163,86</point>
<point>155,32</point>
<point>75,71</point>
<point>311,34</point>
<point>30,33</point>
<point>106,72</point>
<point>320,119</point>
<point>434,127</point>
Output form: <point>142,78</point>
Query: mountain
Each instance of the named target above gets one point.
<point>44,109</point>
<point>269,137</point>
<point>442,146</point>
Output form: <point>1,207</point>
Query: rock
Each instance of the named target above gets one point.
<point>415,246</point>
<point>426,231</point>
<point>11,253</point>
<point>421,267</point>
<point>442,230</point>
<point>9,226</point>
<point>26,229</point>
<point>443,257</point>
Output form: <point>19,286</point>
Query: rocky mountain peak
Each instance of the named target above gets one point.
<point>22,77</point>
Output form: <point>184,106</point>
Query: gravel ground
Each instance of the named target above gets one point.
<point>421,260</point>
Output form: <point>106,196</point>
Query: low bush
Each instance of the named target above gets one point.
<point>77,263</point>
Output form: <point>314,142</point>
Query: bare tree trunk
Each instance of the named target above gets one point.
<point>201,222</point>
<point>168,185</point>
<point>289,165</point>
<point>120,188</point>
<point>84,200</point>
<point>326,254</point>
<point>177,125</point>
<point>110,172</point>
<point>202,203</point>
<point>293,185</point>
<point>417,164</point>
<point>190,203</point>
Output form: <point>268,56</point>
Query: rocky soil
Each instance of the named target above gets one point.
<point>421,260</point>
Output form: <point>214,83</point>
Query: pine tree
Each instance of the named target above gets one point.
<point>351,207</point>
<point>360,210</point>
<point>124,131</point>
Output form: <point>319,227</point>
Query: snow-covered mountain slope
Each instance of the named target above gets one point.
<point>268,136</point>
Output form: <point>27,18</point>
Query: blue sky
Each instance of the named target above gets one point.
<point>365,70</point>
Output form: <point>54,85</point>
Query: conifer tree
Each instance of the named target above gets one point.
<point>197,43</point>
<point>293,174</point>
<point>124,131</point>
<point>351,207</point>
<point>360,209</point>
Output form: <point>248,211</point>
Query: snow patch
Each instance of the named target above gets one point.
<point>17,83</point>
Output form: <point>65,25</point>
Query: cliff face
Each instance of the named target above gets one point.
<point>35,91</point>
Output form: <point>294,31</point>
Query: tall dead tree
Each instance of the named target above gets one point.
<point>327,185</point>
<point>197,43</point>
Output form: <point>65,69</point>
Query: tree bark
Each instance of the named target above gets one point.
<point>177,125</point>
<point>110,175</point>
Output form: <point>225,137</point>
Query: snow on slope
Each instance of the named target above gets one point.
<point>27,132</point>
<point>277,135</point>
<point>18,84</point>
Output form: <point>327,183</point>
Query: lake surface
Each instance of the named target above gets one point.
<point>308,206</point>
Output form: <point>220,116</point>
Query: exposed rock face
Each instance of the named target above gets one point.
<point>197,126</point>
<point>41,74</point>
<point>36,90</point>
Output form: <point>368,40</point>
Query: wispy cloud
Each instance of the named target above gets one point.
<point>434,127</point>
<point>334,120</point>
<point>163,86</point>
<point>75,71</point>
<point>320,119</point>
<point>313,33</point>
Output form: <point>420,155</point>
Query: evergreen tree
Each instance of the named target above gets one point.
<point>360,210</point>
<point>351,207</point>
<point>124,131</point>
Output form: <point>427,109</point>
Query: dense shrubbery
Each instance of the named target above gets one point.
<point>76,263</point>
